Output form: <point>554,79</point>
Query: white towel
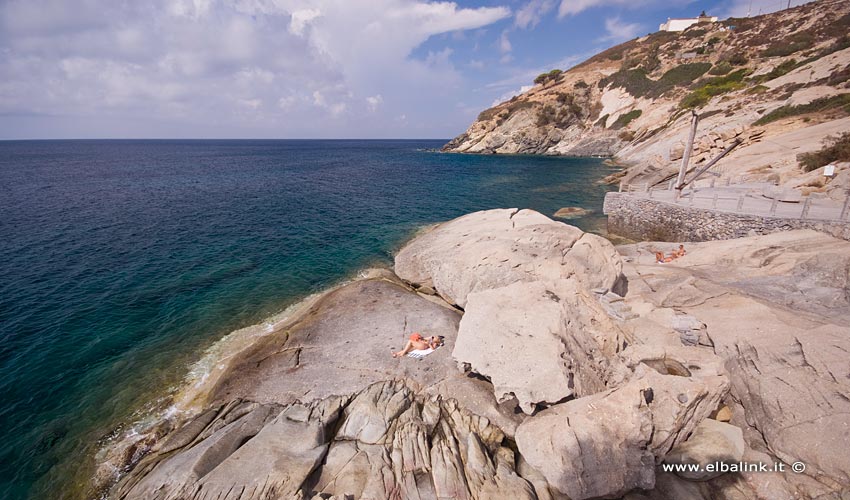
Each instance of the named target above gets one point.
<point>420,353</point>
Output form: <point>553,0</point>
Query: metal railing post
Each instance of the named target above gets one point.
<point>714,201</point>
<point>806,205</point>
<point>740,202</point>
<point>846,208</point>
<point>773,206</point>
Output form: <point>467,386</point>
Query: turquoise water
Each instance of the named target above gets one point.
<point>120,261</point>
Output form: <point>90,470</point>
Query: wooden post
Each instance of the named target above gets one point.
<point>773,206</point>
<point>686,157</point>
<point>806,204</point>
<point>846,208</point>
<point>740,202</point>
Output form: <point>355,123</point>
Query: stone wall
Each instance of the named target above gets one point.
<point>654,220</point>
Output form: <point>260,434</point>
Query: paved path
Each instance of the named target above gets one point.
<point>748,198</point>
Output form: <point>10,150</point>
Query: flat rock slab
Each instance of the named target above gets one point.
<point>343,344</point>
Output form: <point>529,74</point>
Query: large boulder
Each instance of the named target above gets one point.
<point>494,248</point>
<point>712,442</point>
<point>539,342</point>
<point>607,444</point>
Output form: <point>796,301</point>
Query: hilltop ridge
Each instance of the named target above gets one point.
<point>781,78</point>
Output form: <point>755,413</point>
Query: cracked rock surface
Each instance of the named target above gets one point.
<point>555,397</point>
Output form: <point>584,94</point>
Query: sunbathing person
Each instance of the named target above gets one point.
<point>417,343</point>
<point>680,252</point>
<point>661,259</point>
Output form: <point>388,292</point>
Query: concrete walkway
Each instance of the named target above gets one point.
<point>748,198</point>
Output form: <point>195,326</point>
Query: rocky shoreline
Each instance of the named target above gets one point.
<point>571,369</point>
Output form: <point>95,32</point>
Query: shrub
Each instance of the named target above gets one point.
<point>555,74</point>
<point>684,74</point>
<point>714,87</point>
<point>738,59</point>
<point>636,83</point>
<point>581,84</point>
<point>782,69</point>
<point>836,148</point>
<point>840,43</point>
<point>601,121</point>
<point>694,33</point>
<point>721,68</point>
<point>624,120</point>
<point>627,136</point>
<point>822,104</point>
<point>790,45</point>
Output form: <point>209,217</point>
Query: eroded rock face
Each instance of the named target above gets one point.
<point>776,310</point>
<point>383,442</point>
<point>711,442</point>
<point>319,407</point>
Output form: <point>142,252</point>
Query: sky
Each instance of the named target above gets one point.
<point>283,69</point>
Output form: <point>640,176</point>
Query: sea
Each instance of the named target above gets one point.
<point>122,261</point>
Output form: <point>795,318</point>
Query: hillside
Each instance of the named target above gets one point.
<point>779,82</point>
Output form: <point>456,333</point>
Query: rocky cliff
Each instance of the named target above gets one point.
<point>778,83</point>
<point>569,371</point>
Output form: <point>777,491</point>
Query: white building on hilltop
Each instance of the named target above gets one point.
<point>680,24</point>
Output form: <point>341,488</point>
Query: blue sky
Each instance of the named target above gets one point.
<point>296,68</point>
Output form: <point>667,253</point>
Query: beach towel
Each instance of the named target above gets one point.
<point>420,353</point>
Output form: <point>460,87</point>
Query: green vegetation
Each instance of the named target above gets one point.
<point>786,47</point>
<point>568,102</point>
<point>562,115</point>
<point>601,121</point>
<point>714,87</point>
<point>683,74</point>
<point>835,149</point>
<point>636,83</point>
<point>738,59</point>
<point>758,89</point>
<point>581,84</point>
<point>554,75</point>
<point>822,104</point>
<point>782,69</point>
<point>840,43</point>
<point>624,120</point>
<point>694,33</point>
<point>721,68</point>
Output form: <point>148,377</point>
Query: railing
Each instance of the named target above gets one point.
<point>738,197</point>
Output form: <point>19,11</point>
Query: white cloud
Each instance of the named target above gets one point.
<point>374,101</point>
<point>505,43</point>
<point>300,19</point>
<point>742,8</point>
<point>618,31</point>
<point>572,7</point>
<point>530,14</point>
<point>209,63</point>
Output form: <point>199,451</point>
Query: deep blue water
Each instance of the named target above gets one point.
<point>120,261</point>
